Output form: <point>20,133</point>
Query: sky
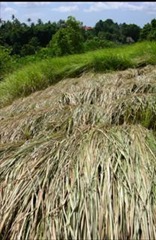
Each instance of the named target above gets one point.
<point>89,13</point>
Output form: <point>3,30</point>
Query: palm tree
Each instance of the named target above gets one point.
<point>13,17</point>
<point>29,19</point>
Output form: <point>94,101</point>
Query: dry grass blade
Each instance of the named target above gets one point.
<point>80,162</point>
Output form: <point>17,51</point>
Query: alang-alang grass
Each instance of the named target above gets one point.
<point>39,75</point>
<point>78,159</point>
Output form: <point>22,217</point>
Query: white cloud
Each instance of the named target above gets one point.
<point>66,8</point>
<point>32,3</point>
<point>81,3</point>
<point>144,6</point>
<point>9,10</point>
<point>150,7</point>
<point>100,6</point>
<point>149,3</point>
<point>134,6</point>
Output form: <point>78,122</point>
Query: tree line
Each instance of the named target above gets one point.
<point>68,36</point>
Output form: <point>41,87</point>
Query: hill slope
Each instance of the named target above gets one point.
<point>78,160</point>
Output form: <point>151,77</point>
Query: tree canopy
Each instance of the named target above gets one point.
<point>68,36</point>
<point>69,39</point>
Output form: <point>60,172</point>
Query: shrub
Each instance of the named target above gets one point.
<point>68,40</point>
<point>95,43</point>
<point>5,62</point>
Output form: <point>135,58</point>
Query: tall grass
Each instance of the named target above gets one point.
<point>39,75</point>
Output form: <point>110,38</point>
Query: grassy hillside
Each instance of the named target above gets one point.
<point>39,75</point>
<point>78,159</point>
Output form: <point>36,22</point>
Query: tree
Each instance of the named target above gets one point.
<point>27,49</point>
<point>39,21</point>
<point>13,17</point>
<point>149,31</point>
<point>130,30</point>
<point>153,23</point>
<point>107,30</point>
<point>29,20</point>
<point>68,40</point>
<point>99,27</point>
<point>61,23</point>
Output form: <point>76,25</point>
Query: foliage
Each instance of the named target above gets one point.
<point>39,74</point>
<point>6,62</point>
<point>67,36</point>
<point>108,29</point>
<point>149,31</point>
<point>25,39</point>
<point>68,40</point>
<point>130,30</point>
<point>96,43</point>
<point>117,33</point>
<point>44,53</point>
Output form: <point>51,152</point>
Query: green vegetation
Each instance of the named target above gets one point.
<point>118,33</point>
<point>78,159</point>
<point>41,74</point>
<point>96,43</point>
<point>21,43</point>
<point>6,62</point>
<point>78,131</point>
<point>149,31</point>
<point>69,36</point>
<point>68,40</point>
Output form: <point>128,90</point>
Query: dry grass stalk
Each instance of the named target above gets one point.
<point>79,163</point>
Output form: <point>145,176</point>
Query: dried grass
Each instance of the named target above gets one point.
<point>78,160</point>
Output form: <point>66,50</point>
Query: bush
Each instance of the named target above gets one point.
<point>67,40</point>
<point>5,62</point>
<point>44,53</point>
<point>96,43</point>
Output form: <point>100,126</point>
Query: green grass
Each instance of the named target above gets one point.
<point>39,75</point>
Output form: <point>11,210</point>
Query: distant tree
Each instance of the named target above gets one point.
<point>153,23</point>
<point>29,20</point>
<point>13,17</point>
<point>39,21</point>
<point>44,32</point>
<point>99,27</point>
<point>107,30</point>
<point>130,30</point>
<point>61,23</point>
<point>149,31</point>
<point>68,40</point>
<point>68,36</point>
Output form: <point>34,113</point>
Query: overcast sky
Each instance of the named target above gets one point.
<point>89,13</point>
